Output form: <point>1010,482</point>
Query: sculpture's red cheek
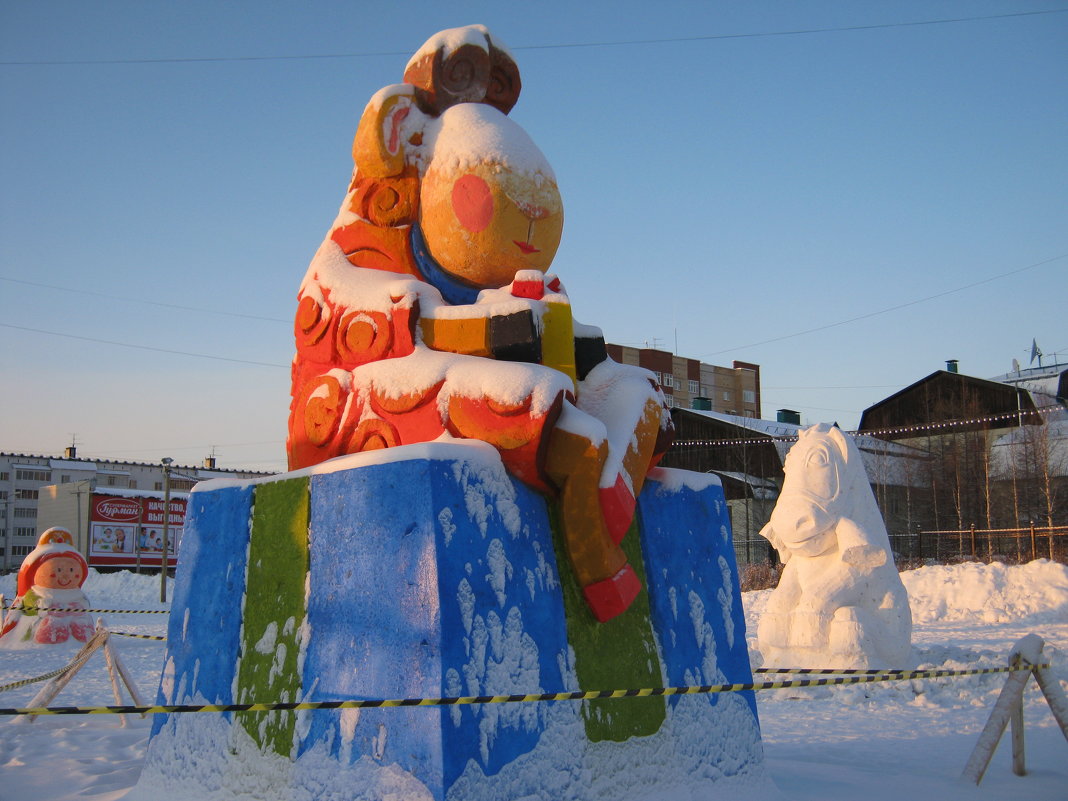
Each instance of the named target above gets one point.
<point>473,203</point>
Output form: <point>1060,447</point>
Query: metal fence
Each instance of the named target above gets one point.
<point>1009,544</point>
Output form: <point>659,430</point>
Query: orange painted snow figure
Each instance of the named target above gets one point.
<point>50,606</point>
<point>427,312</point>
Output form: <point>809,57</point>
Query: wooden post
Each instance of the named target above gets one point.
<point>1050,530</point>
<point>974,554</point>
<point>112,675</point>
<point>1010,699</point>
<point>52,689</point>
<point>1016,724</point>
<point>1055,697</point>
<point>1034,551</point>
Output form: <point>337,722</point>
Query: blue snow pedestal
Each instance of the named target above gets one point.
<point>429,572</point>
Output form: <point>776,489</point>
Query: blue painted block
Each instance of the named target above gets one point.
<point>434,577</point>
<point>695,597</point>
<point>204,630</point>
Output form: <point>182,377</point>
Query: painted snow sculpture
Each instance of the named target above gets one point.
<point>427,312</point>
<point>840,602</point>
<point>50,607</point>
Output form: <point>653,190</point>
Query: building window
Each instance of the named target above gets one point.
<point>181,484</point>
<point>749,396</point>
<point>659,377</point>
<point>22,511</point>
<point>750,413</point>
<point>26,495</point>
<point>33,475</point>
<point>726,394</point>
<point>3,495</point>
<point>695,387</point>
<point>24,531</point>
<point>159,486</point>
<point>64,479</point>
<point>5,476</point>
<point>133,484</point>
<point>21,550</point>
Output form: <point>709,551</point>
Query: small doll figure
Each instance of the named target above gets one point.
<point>50,607</point>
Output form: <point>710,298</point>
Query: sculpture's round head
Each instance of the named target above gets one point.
<point>438,155</point>
<point>489,204</point>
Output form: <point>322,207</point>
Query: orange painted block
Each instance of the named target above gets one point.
<point>377,148</point>
<point>469,336</point>
<point>320,422</point>
<point>377,248</point>
<point>414,417</point>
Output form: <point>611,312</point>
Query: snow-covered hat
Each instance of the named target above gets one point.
<point>56,541</point>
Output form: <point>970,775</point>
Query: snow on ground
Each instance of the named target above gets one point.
<point>877,742</point>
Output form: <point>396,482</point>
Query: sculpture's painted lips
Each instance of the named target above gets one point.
<point>526,247</point>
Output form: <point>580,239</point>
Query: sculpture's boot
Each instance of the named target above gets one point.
<point>625,477</point>
<point>574,464</point>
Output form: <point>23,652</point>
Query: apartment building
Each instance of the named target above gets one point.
<point>693,384</point>
<point>24,477</point>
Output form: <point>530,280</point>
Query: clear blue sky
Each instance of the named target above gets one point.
<point>722,187</point>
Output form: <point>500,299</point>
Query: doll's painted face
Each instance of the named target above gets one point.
<point>490,205</point>
<point>61,573</point>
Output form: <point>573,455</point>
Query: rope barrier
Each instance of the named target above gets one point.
<point>34,680</point>
<point>579,695</point>
<point>80,659</point>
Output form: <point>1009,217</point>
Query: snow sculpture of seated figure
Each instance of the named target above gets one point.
<point>427,313</point>
<point>840,602</point>
<point>50,607</point>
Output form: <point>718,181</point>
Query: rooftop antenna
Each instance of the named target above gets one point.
<point>72,451</point>
<point>1036,352</point>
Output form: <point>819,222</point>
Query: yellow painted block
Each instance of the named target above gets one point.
<point>558,340</point>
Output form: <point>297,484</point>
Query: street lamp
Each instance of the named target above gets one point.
<point>166,527</point>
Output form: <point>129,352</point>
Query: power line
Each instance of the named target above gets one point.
<point>888,308</point>
<point>557,46</point>
<point>143,347</point>
<point>126,299</point>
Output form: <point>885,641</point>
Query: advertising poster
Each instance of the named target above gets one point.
<point>128,531</point>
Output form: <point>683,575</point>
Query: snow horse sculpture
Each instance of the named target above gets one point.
<point>428,310</point>
<point>840,602</point>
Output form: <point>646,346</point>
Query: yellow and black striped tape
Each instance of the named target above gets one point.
<point>138,636</point>
<point>502,699</point>
<point>831,671</point>
<point>18,608</point>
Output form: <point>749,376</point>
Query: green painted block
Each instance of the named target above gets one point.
<point>619,654</point>
<point>275,608</point>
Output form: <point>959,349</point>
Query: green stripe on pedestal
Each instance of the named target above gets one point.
<point>620,653</point>
<point>275,609</point>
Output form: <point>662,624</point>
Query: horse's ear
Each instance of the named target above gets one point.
<point>378,148</point>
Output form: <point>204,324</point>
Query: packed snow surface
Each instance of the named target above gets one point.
<point>895,740</point>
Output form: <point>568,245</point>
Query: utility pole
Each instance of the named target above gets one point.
<point>166,528</point>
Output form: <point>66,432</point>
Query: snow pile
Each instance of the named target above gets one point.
<point>996,593</point>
